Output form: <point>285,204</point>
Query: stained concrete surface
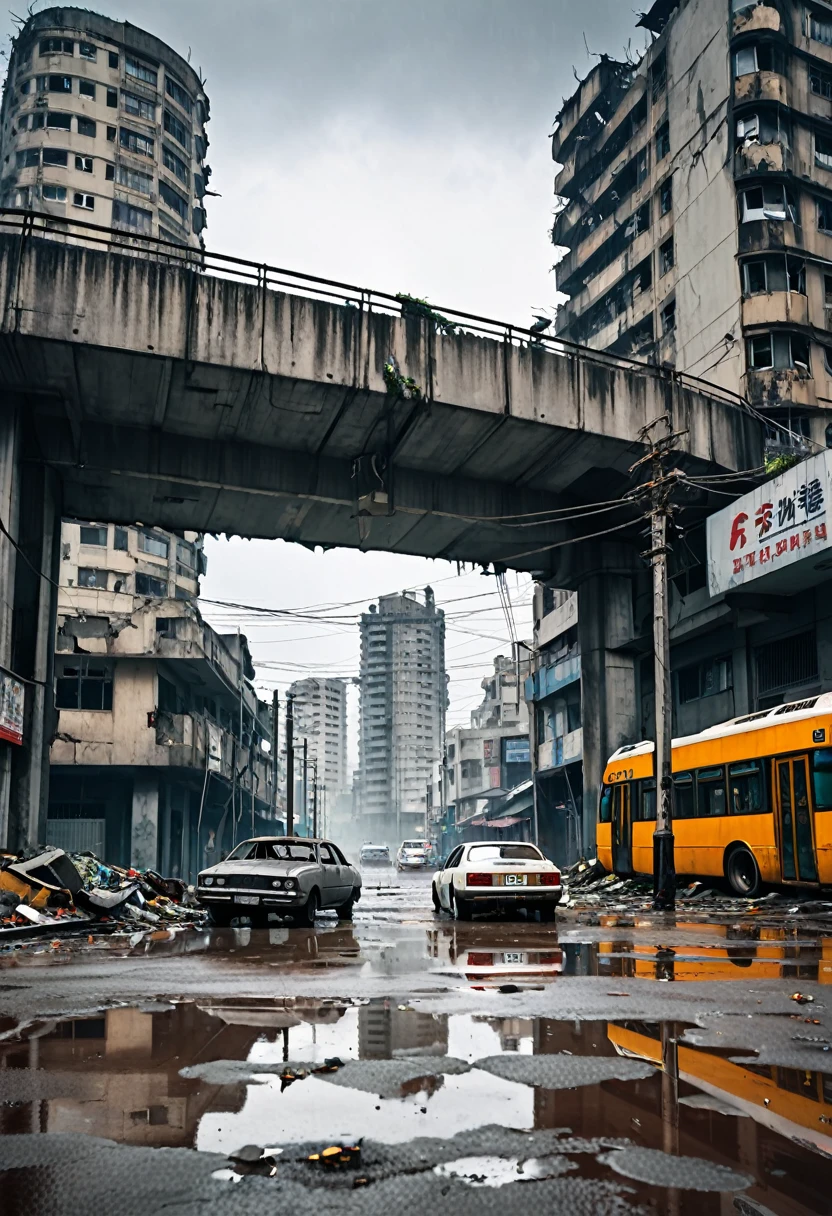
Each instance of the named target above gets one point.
<point>487,1065</point>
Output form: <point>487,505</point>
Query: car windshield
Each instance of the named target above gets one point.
<point>414,844</point>
<point>504,852</point>
<point>273,850</point>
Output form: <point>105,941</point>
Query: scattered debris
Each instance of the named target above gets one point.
<point>337,1156</point>
<point>801,998</point>
<point>48,889</point>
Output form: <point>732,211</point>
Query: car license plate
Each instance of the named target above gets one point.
<point>247,899</point>
<point>515,880</point>
<point>514,959</point>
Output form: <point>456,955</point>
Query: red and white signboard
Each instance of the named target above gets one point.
<point>781,523</point>
<point>11,708</point>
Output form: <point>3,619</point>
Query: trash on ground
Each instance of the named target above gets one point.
<point>48,889</point>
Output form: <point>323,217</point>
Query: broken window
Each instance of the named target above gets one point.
<point>176,165</point>
<point>166,626</point>
<point>147,585</point>
<point>825,215</point>
<point>93,534</point>
<point>111,134</point>
<point>768,203</point>
<point>55,157</point>
<point>38,121</point>
<point>62,121</point>
<point>666,256</point>
<point>823,151</point>
<point>86,126</point>
<point>663,141</point>
<point>135,142</point>
<point>87,685</point>
<point>175,90</point>
<point>745,61</point>
<point>113,59</point>
<point>88,577</point>
<point>110,172</point>
<point>60,84</point>
<point>120,539</point>
<point>128,218</point>
<point>820,29</point>
<point>644,275</point>
<point>755,281</point>
<point>643,218</point>
<point>27,159</point>
<point>748,129</point>
<point>820,82</point>
<point>668,317</point>
<point>112,98</point>
<point>87,201</point>
<point>796,275</point>
<point>87,50</point>
<point>666,196</point>
<point>658,76</point>
<point>153,542</point>
<point>642,165</point>
<point>140,71</point>
<point>138,106</point>
<point>86,88</point>
<point>83,164</point>
<point>55,194</point>
<point>173,199</point>
<point>177,129</point>
<point>56,46</point>
<point>827,359</point>
<point>134,179</point>
<point>778,350</point>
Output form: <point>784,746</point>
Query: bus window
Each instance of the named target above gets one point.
<point>710,785</point>
<point>822,778</point>
<point>683,796</point>
<point>745,788</point>
<point>648,799</point>
<point>605,807</point>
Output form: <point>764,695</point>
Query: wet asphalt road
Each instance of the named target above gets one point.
<point>614,1063</point>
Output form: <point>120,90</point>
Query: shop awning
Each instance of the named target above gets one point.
<point>504,823</point>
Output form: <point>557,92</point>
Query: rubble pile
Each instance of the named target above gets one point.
<point>49,889</point>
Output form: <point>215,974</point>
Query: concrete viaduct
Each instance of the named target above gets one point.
<point>137,384</point>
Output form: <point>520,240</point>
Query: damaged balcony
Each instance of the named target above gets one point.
<point>756,16</point>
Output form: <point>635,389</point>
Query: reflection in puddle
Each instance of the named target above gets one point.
<point>119,1076</point>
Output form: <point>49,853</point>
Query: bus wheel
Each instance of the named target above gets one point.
<point>743,873</point>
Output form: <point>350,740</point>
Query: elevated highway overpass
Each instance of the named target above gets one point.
<point>140,381</point>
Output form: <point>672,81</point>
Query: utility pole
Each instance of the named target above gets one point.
<point>290,765</point>
<point>664,862</point>
<point>305,791</point>
<point>275,749</point>
<point>315,801</point>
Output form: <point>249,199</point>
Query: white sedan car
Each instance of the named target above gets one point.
<point>492,875</point>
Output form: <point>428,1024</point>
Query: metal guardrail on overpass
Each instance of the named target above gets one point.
<point>30,224</point>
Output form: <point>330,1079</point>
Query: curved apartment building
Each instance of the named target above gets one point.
<point>102,122</point>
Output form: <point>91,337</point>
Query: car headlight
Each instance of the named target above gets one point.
<point>277,883</point>
<point>290,884</point>
<point>208,879</point>
<point>220,882</point>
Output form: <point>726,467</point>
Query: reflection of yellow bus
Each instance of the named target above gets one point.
<point>752,800</point>
<point>788,1100</point>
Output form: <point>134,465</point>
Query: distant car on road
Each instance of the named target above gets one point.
<point>284,874</point>
<point>414,855</point>
<point>493,875</point>
<point>375,855</point>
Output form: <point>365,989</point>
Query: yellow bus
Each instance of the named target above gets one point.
<point>752,801</point>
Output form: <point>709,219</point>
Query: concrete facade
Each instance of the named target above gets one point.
<point>404,697</point>
<point>697,189</point>
<point>104,123</point>
<point>320,711</point>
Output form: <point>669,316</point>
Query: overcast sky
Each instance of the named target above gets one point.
<point>394,144</point>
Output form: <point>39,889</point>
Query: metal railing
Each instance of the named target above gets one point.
<point>29,224</point>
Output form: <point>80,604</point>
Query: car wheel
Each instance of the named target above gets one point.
<point>743,873</point>
<point>221,917</point>
<point>345,910</point>
<point>309,911</point>
<point>464,909</point>
<point>437,905</point>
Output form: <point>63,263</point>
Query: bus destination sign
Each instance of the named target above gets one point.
<point>782,522</point>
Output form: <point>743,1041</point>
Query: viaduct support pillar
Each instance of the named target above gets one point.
<point>608,692</point>
<point>30,509</point>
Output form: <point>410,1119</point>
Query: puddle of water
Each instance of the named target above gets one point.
<point>408,1075</point>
